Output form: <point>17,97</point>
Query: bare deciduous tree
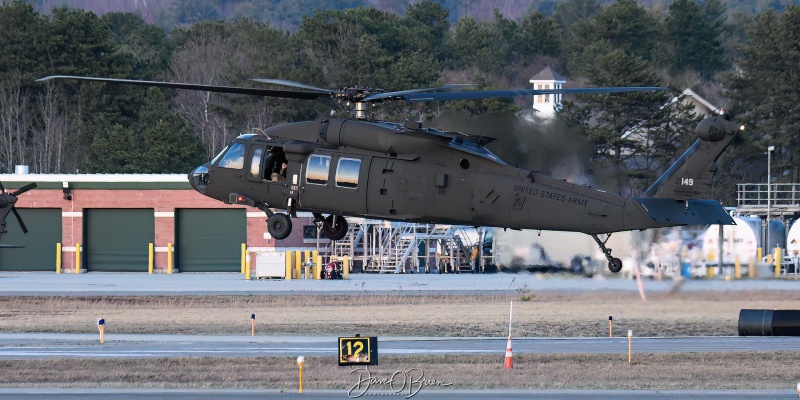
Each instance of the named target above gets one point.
<point>204,59</point>
<point>50,133</point>
<point>14,124</point>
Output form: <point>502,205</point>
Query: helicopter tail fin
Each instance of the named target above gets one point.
<point>689,177</point>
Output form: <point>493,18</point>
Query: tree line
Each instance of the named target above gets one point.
<point>746,64</point>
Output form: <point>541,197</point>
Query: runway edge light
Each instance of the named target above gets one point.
<point>300,361</point>
<point>101,326</point>
<point>630,336</point>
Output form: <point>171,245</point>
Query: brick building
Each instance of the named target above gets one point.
<point>114,218</point>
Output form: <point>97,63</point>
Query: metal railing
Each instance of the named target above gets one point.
<point>782,196</point>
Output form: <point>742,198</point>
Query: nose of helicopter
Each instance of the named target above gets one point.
<point>198,178</point>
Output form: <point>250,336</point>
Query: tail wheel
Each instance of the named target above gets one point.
<point>279,226</point>
<point>335,227</point>
<point>615,265</point>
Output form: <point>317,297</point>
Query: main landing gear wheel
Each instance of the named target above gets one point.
<point>615,265</point>
<point>279,226</point>
<point>335,227</point>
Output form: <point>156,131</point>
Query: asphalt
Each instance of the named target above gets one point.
<point>247,394</point>
<point>41,345</point>
<point>143,284</point>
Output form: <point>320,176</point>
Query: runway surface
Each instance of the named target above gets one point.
<point>37,346</point>
<point>59,345</point>
<point>188,394</point>
<point>143,284</point>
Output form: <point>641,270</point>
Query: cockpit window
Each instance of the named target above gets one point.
<point>234,158</point>
<point>317,172</point>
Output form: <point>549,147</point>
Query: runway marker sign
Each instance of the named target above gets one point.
<point>358,350</point>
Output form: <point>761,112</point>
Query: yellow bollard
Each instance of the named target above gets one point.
<point>58,258</point>
<point>298,264</point>
<point>150,258</point>
<point>751,268</point>
<point>610,329</point>
<point>760,254</point>
<point>244,249</point>
<point>169,258</point>
<point>346,267</point>
<point>288,262</point>
<point>630,336</point>
<point>77,258</point>
<point>737,268</point>
<point>317,271</point>
<point>300,361</point>
<point>777,261</point>
<point>247,265</point>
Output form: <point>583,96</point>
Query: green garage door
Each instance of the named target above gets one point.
<point>39,253</point>
<point>117,239</point>
<point>210,240</point>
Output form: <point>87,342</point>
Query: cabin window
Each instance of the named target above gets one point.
<point>234,158</point>
<point>255,164</point>
<point>317,171</point>
<point>347,173</point>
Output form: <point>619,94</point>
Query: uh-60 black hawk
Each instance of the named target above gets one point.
<point>405,172</point>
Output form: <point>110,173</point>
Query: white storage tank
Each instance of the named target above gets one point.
<point>740,240</point>
<point>793,240</point>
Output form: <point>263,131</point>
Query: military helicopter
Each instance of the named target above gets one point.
<point>406,172</point>
<point>7,201</point>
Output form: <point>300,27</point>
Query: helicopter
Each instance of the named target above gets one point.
<point>358,167</point>
<point>7,201</point>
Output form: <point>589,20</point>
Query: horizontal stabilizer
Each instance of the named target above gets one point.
<point>669,212</point>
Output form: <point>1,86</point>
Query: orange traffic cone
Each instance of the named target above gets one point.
<point>509,359</point>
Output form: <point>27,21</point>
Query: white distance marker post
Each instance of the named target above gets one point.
<point>630,336</point>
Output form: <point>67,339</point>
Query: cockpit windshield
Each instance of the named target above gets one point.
<point>234,158</point>
<point>214,161</point>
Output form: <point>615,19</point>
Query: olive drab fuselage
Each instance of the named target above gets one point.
<point>392,171</point>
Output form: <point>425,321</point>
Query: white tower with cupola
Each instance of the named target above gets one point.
<point>546,105</point>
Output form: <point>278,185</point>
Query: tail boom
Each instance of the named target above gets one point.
<point>691,175</point>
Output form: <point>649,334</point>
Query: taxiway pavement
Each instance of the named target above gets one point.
<point>143,284</point>
<point>40,345</point>
<point>247,394</point>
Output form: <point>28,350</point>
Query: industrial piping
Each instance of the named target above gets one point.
<point>769,322</point>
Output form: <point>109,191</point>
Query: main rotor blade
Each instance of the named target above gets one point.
<point>288,94</point>
<point>401,93</point>
<point>291,84</point>
<point>483,94</point>
<point>24,189</point>
<point>19,219</point>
